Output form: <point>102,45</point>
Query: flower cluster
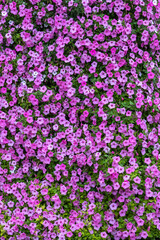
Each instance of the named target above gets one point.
<point>79,119</point>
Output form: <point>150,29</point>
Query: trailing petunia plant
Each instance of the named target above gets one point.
<point>79,119</point>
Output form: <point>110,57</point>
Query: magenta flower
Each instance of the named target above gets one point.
<point>92,52</point>
<point>125,184</point>
<point>44,191</point>
<point>144,234</point>
<point>151,75</point>
<point>103,234</point>
<point>98,84</point>
<point>137,180</point>
<point>113,206</point>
